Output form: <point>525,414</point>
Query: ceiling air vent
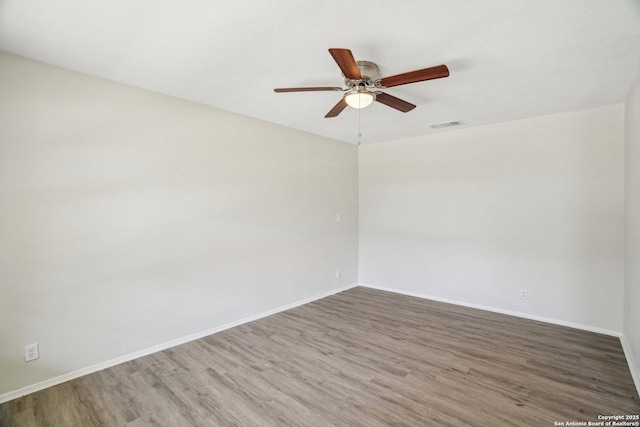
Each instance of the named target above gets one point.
<point>447,125</point>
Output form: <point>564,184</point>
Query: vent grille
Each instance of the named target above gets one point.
<point>447,124</point>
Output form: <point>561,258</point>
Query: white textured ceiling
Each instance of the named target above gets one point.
<point>508,59</point>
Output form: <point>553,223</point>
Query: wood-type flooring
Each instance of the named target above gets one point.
<point>362,357</point>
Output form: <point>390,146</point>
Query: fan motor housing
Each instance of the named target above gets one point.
<point>370,74</point>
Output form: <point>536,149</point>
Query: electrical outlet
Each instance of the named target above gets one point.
<point>338,217</point>
<point>338,274</point>
<point>524,294</point>
<point>31,352</point>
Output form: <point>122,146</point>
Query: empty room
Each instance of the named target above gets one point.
<point>417,213</point>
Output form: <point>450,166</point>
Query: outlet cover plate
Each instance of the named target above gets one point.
<point>31,352</point>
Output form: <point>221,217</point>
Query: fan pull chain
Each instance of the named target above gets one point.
<point>359,132</point>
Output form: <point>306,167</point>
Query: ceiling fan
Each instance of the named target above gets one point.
<point>362,79</point>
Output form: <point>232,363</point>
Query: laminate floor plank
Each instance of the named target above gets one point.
<point>358,358</point>
<point>118,393</point>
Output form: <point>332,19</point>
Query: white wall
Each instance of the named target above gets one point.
<point>129,219</point>
<point>478,214</point>
<point>632,264</point>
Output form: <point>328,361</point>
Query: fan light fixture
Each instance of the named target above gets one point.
<point>359,98</point>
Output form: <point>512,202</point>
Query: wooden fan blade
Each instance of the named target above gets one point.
<point>431,73</point>
<point>306,89</point>
<point>346,62</point>
<point>394,102</point>
<point>337,109</point>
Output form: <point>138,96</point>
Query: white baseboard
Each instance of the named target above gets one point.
<point>633,366</point>
<point>501,311</point>
<point>135,355</point>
